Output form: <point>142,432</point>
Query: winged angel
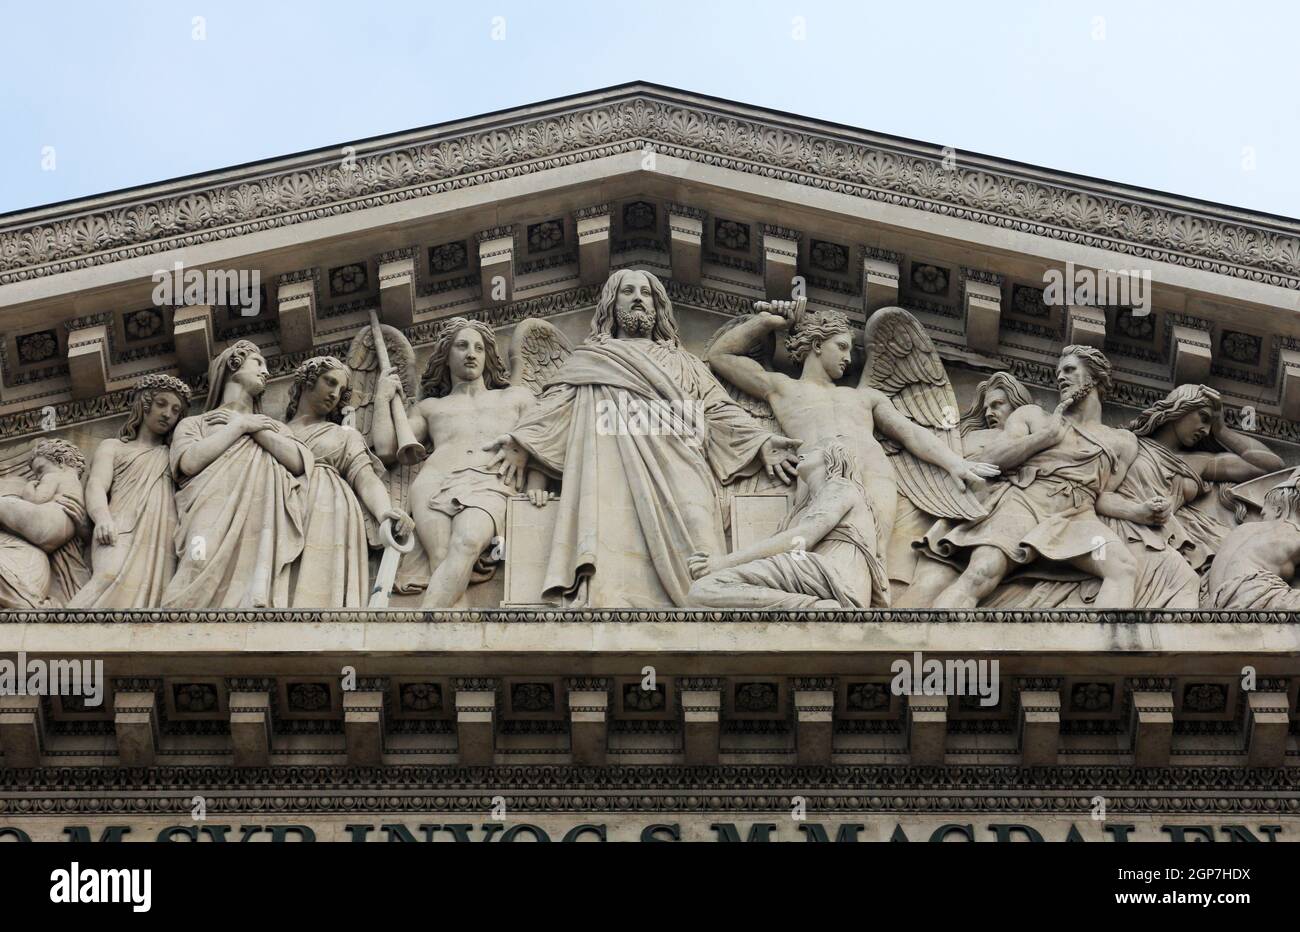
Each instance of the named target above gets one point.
<point>466,398</point>
<point>915,471</point>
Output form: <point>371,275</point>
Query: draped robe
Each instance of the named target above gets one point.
<point>334,569</point>
<point>241,523</point>
<point>635,504</point>
<point>142,504</point>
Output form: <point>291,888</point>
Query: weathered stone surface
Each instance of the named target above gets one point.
<point>722,525</point>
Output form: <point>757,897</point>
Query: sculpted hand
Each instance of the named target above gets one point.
<point>74,508</point>
<point>403,524</point>
<point>261,422</point>
<point>1156,510</point>
<point>786,313</point>
<point>780,457</point>
<point>390,384</point>
<point>510,460</point>
<point>973,475</point>
<point>106,532</point>
<point>700,564</point>
<point>539,497</point>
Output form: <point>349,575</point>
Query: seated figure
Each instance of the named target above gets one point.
<point>819,557</point>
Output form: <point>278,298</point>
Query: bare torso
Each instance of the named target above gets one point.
<point>811,412</point>
<point>1268,546</point>
<point>461,424</point>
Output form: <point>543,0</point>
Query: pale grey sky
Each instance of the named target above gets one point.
<point>1198,99</point>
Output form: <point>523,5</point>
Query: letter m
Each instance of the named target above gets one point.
<point>848,831</point>
<point>119,882</point>
<point>81,834</point>
<point>759,831</point>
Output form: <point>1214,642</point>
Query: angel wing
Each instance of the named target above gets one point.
<point>364,363</point>
<point>537,352</point>
<point>757,408</point>
<point>903,363</point>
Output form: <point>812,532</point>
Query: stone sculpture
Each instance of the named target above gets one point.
<point>1257,561</point>
<point>813,408</point>
<point>995,398</point>
<point>1174,432</point>
<point>241,502</point>
<point>333,571</point>
<point>818,559</point>
<point>458,500</point>
<point>1045,511</point>
<point>41,563</point>
<point>899,501</point>
<point>641,433</point>
<point>130,495</point>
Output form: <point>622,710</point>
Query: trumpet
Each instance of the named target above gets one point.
<point>409,450</point>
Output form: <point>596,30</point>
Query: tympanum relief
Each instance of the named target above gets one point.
<point>640,453</point>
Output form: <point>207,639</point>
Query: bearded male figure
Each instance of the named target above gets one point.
<point>1057,466</point>
<point>641,434</point>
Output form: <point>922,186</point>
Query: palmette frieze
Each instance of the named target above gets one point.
<point>876,171</point>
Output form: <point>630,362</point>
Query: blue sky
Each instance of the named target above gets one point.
<point>1194,98</point>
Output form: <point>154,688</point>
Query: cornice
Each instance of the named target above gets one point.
<point>983,788</point>
<point>998,193</point>
<point>648,616</point>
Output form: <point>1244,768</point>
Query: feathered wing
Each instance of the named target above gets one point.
<point>364,363</point>
<point>537,352</point>
<point>903,363</point>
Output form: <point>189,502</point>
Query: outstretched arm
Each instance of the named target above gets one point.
<point>1029,430</point>
<point>728,360</point>
<point>921,443</point>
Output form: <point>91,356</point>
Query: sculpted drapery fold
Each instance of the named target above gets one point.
<point>634,500</point>
<point>241,524</point>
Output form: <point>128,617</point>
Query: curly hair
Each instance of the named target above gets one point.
<point>815,329</point>
<point>1283,502</point>
<point>605,319</point>
<point>142,396</point>
<point>305,376</point>
<point>436,381</point>
<point>1017,396</point>
<point>1097,363</point>
<point>1181,401</point>
<point>61,452</point>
